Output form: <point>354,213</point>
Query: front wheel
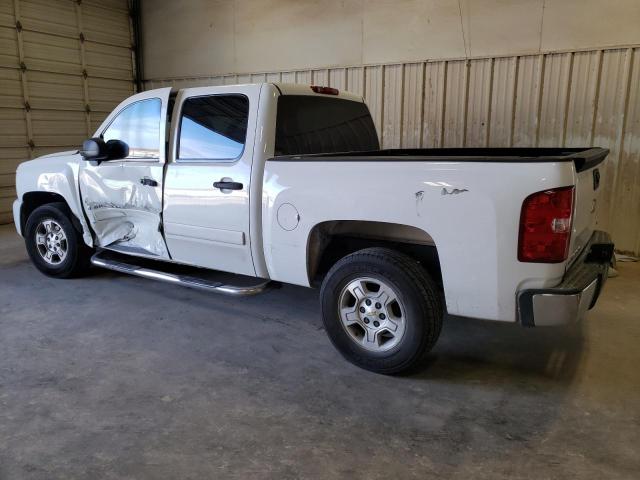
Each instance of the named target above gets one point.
<point>54,245</point>
<point>381,310</point>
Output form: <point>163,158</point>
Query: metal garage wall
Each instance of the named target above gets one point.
<point>64,65</point>
<point>576,98</point>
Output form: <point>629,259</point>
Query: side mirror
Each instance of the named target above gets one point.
<point>96,150</point>
<point>117,150</point>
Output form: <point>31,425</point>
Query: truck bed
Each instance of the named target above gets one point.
<point>583,158</point>
<point>467,201</point>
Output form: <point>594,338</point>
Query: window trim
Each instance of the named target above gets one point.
<point>155,159</point>
<point>210,160</point>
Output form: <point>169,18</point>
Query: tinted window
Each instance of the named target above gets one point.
<point>138,125</point>
<point>310,124</point>
<point>213,128</point>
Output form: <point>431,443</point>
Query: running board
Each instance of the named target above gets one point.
<point>103,259</point>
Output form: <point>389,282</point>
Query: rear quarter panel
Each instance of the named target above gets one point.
<point>470,209</point>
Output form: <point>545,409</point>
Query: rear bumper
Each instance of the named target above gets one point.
<point>578,292</point>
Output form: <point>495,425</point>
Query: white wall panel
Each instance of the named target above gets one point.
<point>241,79</point>
<point>626,201</point>
<point>392,106</point>
<point>320,77</point>
<point>207,37</point>
<point>455,107</point>
<point>355,80</point>
<point>338,78</point>
<point>610,117</point>
<point>288,77</point>
<point>435,76</point>
<point>303,77</point>
<point>555,95</point>
<point>412,106</point>
<point>527,106</point>
<point>503,101</point>
<point>374,93</point>
<point>478,104</point>
<point>274,77</point>
<point>582,98</point>
<point>230,80</point>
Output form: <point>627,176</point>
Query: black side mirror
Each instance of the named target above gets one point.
<point>117,150</point>
<point>96,150</point>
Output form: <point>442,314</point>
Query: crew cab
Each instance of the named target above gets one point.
<point>288,184</point>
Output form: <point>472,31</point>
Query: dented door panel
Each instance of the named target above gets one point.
<point>123,199</point>
<point>122,211</point>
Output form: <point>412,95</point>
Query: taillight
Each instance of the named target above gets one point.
<point>325,90</point>
<point>545,226</point>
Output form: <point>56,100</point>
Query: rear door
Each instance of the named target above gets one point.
<point>207,184</point>
<point>123,198</point>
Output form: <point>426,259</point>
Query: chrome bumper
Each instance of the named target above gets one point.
<point>578,292</point>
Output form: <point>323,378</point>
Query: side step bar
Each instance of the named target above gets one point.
<point>101,259</point>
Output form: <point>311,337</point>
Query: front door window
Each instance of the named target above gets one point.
<point>138,125</point>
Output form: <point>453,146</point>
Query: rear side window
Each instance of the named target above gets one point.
<point>313,124</point>
<point>213,127</point>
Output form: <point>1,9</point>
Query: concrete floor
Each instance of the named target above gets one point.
<point>112,376</point>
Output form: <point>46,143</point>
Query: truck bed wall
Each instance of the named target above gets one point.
<point>470,210</point>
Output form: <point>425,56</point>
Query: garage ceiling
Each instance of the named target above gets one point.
<point>64,65</point>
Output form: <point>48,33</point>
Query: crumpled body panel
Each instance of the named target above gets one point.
<point>124,213</point>
<point>54,173</point>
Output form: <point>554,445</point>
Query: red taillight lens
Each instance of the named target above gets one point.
<point>545,226</point>
<point>325,90</point>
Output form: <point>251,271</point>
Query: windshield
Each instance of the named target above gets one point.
<point>313,124</point>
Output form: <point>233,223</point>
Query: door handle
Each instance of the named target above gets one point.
<point>149,182</point>
<point>228,185</point>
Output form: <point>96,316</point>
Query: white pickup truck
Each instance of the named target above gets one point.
<point>286,183</point>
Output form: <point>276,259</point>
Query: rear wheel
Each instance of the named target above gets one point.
<point>54,245</point>
<point>381,310</point>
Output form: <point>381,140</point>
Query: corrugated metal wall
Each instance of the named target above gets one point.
<point>578,98</point>
<point>64,65</point>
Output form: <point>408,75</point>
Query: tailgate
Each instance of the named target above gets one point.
<point>589,181</point>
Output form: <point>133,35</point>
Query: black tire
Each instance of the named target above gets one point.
<point>78,254</point>
<point>418,295</point>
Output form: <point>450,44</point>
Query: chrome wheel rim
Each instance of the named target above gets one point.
<point>51,242</point>
<point>372,314</point>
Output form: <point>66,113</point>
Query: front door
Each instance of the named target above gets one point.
<point>208,180</point>
<point>123,198</point>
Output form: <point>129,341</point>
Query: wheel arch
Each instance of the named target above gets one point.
<point>329,241</point>
<point>34,199</point>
